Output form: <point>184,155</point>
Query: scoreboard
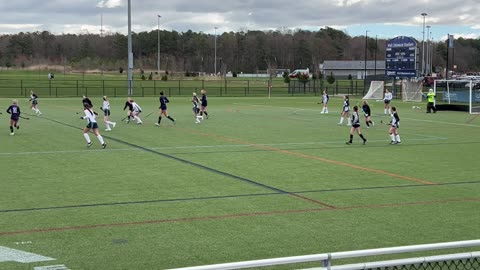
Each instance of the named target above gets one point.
<point>401,57</point>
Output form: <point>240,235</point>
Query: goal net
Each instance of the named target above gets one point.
<point>465,93</point>
<point>412,91</point>
<point>375,91</point>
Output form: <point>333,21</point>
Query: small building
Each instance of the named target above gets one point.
<point>354,68</point>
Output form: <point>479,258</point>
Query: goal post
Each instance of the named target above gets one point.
<point>458,94</point>
<point>375,91</point>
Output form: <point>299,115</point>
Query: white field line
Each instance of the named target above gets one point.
<point>412,119</point>
<point>89,151</point>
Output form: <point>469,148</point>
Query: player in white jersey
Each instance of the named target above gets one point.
<point>387,98</point>
<point>92,125</point>
<point>394,125</point>
<point>325,99</point>
<point>196,109</point>
<point>34,103</point>
<point>106,114</point>
<point>345,111</point>
<point>136,112</point>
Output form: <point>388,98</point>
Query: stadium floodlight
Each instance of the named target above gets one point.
<point>366,46</point>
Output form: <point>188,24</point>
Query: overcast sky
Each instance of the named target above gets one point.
<point>382,18</point>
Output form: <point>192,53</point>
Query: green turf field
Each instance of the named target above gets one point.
<point>261,178</point>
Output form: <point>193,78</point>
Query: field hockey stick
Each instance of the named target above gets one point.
<point>26,118</point>
<point>149,114</point>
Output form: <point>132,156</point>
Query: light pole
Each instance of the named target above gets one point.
<point>423,44</point>
<point>215,64</point>
<point>158,50</point>
<point>130,53</point>
<point>427,54</point>
<point>365,67</point>
<point>376,47</point>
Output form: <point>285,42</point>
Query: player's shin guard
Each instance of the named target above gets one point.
<point>100,139</point>
<point>397,137</point>
<point>85,135</point>
<point>173,120</point>
<point>392,137</point>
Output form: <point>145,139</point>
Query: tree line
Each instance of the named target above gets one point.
<point>245,51</point>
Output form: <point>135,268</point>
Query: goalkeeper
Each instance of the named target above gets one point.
<point>431,101</point>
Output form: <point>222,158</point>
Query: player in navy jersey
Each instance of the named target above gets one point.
<point>345,111</point>
<point>356,126</point>
<point>367,113</point>
<point>203,103</point>
<point>128,104</point>
<point>91,125</point>
<point>394,125</point>
<point>34,103</point>
<point>14,112</point>
<point>196,108</point>
<point>163,109</point>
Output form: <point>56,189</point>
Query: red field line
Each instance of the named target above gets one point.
<point>473,118</point>
<point>336,162</point>
<point>191,219</point>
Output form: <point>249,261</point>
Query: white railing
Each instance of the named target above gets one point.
<point>326,258</point>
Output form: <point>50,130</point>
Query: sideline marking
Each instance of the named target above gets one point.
<point>52,267</point>
<point>240,215</point>
<point>15,255</point>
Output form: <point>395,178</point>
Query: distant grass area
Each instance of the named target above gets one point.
<point>261,178</point>
<point>15,83</point>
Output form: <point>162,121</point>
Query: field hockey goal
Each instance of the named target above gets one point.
<point>412,91</point>
<point>375,91</point>
<point>463,95</point>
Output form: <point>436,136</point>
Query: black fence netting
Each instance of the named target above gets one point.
<point>464,264</point>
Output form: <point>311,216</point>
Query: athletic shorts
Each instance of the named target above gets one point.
<point>195,109</point>
<point>397,125</point>
<point>356,125</point>
<point>346,109</point>
<point>34,102</point>
<point>387,101</point>
<point>106,112</point>
<point>367,115</point>
<point>92,125</point>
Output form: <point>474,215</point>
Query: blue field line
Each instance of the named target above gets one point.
<point>182,160</point>
<point>231,196</point>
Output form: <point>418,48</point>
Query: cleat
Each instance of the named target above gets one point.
<point>18,127</point>
<point>114,124</point>
<point>89,144</point>
<point>104,145</point>
<point>108,129</point>
<point>339,124</point>
<point>348,143</point>
<point>174,122</point>
<point>397,142</point>
<point>393,142</point>
<point>12,133</point>
<point>364,142</point>
<point>157,124</point>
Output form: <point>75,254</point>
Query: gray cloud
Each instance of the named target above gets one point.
<point>69,16</point>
